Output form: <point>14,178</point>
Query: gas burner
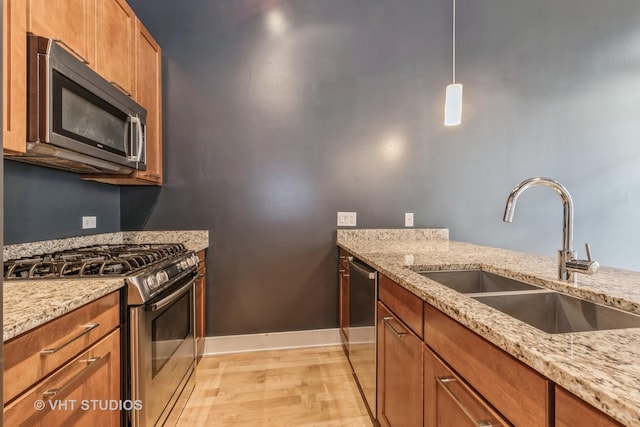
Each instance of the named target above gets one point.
<point>92,261</point>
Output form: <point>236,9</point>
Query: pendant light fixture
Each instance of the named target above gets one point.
<point>453,96</point>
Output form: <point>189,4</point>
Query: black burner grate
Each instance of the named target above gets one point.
<point>98,260</point>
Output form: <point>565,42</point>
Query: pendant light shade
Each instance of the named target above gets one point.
<point>453,96</point>
<point>453,105</point>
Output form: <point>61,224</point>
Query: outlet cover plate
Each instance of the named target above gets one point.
<point>347,219</point>
<point>88,222</point>
<point>408,219</point>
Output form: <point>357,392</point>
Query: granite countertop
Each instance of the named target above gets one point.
<point>601,367</point>
<point>28,304</point>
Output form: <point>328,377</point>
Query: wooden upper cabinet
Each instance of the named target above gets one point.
<point>115,52</point>
<point>14,82</point>
<point>148,93</point>
<point>70,22</point>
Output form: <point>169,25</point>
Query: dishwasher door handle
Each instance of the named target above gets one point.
<point>361,270</point>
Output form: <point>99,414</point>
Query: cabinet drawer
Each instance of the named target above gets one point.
<point>573,411</point>
<point>35,354</point>
<point>514,389</point>
<point>399,373</point>
<point>404,304</point>
<point>450,402</point>
<point>67,394</point>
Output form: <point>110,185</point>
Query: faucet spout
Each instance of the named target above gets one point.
<point>566,255</point>
<point>567,203</point>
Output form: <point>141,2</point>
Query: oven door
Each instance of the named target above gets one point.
<point>162,353</point>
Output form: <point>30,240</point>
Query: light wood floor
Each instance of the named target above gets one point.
<point>301,387</point>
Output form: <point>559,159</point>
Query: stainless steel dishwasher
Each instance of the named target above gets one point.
<point>363,294</point>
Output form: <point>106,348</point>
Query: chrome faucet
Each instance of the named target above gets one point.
<point>567,261</point>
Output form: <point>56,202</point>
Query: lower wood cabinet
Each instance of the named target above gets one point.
<point>518,392</point>
<point>450,402</point>
<point>572,411</point>
<point>201,297</point>
<point>67,371</point>
<point>343,297</point>
<point>433,371</point>
<point>84,392</point>
<point>399,372</point>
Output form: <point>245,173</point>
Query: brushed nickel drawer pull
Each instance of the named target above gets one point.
<point>79,375</point>
<point>444,381</point>
<point>87,329</point>
<point>387,321</point>
<point>73,51</point>
<point>122,89</point>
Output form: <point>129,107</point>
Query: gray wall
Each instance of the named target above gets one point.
<point>267,135</point>
<point>42,203</point>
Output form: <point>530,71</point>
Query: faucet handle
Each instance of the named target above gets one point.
<point>588,249</point>
<point>588,266</point>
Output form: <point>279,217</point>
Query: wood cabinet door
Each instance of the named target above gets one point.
<point>201,283</point>
<point>572,411</point>
<point>71,22</point>
<point>450,402</point>
<point>343,313</point>
<point>399,372</point>
<point>14,82</point>
<point>78,394</point>
<point>148,93</point>
<point>115,51</point>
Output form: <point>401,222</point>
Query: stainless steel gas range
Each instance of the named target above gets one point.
<point>159,329</point>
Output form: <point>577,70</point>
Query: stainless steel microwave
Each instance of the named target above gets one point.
<point>77,120</point>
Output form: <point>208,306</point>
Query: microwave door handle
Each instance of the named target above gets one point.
<point>135,121</point>
<point>129,146</point>
<point>141,143</point>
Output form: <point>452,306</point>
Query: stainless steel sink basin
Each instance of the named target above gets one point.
<point>557,313</point>
<point>476,281</point>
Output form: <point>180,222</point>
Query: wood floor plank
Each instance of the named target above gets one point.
<point>301,387</point>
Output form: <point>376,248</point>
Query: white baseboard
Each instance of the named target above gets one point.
<point>271,341</point>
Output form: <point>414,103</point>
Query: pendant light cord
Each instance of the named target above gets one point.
<point>453,38</point>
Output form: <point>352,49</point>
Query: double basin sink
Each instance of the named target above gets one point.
<point>547,310</point>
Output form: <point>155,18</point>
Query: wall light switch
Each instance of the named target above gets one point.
<point>347,219</point>
<point>88,222</point>
<point>408,219</point>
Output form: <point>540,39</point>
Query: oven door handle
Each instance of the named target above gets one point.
<point>173,297</point>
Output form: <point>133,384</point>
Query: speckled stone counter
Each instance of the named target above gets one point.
<point>601,367</point>
<point>31,303</point>
<point>195,240</point>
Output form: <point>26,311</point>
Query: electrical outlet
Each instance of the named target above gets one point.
<point>408,219</point>
<point>88,222</point>
<point>347,219</point>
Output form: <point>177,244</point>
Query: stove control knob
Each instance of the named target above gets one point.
<point>195,259</point>
<point>162,277</point>
<point>184,264</point>
<point>152,282</point>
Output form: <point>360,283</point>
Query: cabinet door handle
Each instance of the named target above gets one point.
<point>122,89</point>
<point>91,364</point>
<point>444,382</point>
<point>387,321</point>
<point>87,329</point>
<point>73,51</point>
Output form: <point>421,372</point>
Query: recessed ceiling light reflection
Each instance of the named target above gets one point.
<point>276,22</point>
